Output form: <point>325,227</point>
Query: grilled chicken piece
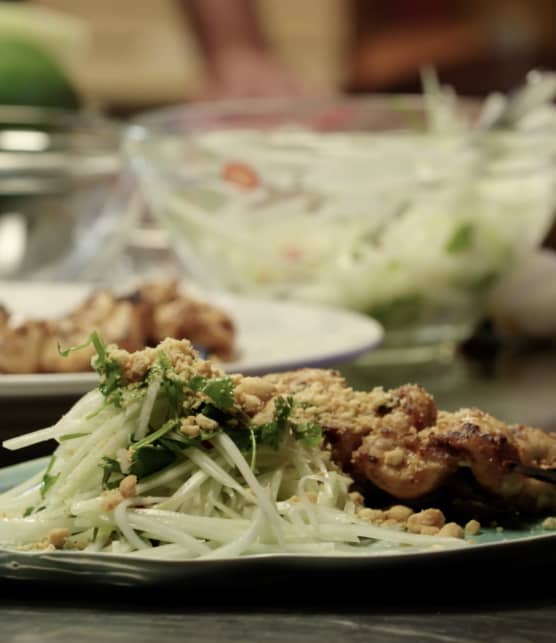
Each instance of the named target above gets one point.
<point>205,326</point>
<point>158,292</point>
<point>173,314</point>
<point>76,362</point>
<point>21,347</point>
<point>398,441</point>
<point>120,320</point>
<point>155,311</point>
<point>347,416</point>
<point>117,320</point>
<point>4,318</point>
<point>416,463</point>
<point>92,311</point>
<point>125,325</point>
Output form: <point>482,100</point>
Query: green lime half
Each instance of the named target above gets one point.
<point>29,75</point>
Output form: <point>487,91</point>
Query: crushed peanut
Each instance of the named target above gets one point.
<point>392,524</point>
<point>356,498</point>
<point>451,530</point>
<point>425,518</point>
<point>395,457</point>
<point>57,537</point>
<point>473,527</point>
<point>128,486</point>
<point>111,499</point>
<point>206,423</point>
<point>256,386</point>
<point>549,523</point>
<point>41,545</point>
<point>400,513</point>
<point>189,427</point>
<point>371,515</point>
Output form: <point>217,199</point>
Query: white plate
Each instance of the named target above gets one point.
<point>532,546</point>
<point>271,335</point>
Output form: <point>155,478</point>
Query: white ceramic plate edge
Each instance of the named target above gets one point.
<point>271,335</point>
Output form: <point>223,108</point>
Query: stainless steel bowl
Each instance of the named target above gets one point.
<point>56,169</point>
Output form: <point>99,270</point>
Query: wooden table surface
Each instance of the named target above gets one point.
<point>497,600</point>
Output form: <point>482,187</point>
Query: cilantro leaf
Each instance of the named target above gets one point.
<point>71,436</point>
<point>461,240</point>
<point>310,433</point>
<point>219,390</point>
<point>155,435</point>
<point>483,283</point>
<point>241,437</point>
<point>171,385</point>
<point>196,383</point>
<point>48,480</point>
<point>164,361</point>
<point>109,370</point>
<point>33,510</point>
<point>272,432</point>
<point>111,381</point>
<point>112,474</point>
<point>176,446</point>
<point>150,459</point>
<point>175,395</point>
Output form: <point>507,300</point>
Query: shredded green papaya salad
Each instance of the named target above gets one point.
<point>169,458</point>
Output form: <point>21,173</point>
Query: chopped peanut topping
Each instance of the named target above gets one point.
<point>452,530</point>
<point>128,486</point>
<point>473,527</point>
<point>400,513</point>
<point>395,457</point>
<point>190,427</point>
<point>206,423</point>
<point>357,498</point>
<point>549,523</point>
<point>426,518</point>
<point>57,537</point>
<point>111,499</point>
<point>371,515</point>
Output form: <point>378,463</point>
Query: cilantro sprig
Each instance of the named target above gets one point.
<point>220,390</point>
<point>272,433</point>
<point>48,479</point>
<point>111,381</point>
<point>178,398</point>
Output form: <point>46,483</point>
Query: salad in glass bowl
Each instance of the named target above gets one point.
<point>408,208</point>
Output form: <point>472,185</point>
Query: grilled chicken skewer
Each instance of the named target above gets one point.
<point>400,443</point>
<point>142,318</point>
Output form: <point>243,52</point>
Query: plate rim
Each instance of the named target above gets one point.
<point>67,384</point>
<point>374,559</point>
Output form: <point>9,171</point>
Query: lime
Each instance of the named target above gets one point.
<point>30,75</point>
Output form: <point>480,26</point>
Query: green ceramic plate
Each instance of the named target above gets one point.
<point>509,548</point>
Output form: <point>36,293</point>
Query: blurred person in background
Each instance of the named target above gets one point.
<point>239,62</point>
<point>142,54</point>
<point>476,45</point>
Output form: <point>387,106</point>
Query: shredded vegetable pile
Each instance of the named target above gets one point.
<point>162,461</point>
<point>413,224</point>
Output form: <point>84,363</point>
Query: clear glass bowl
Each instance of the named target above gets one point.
<point>359,202</point>
<point>56,169</point>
